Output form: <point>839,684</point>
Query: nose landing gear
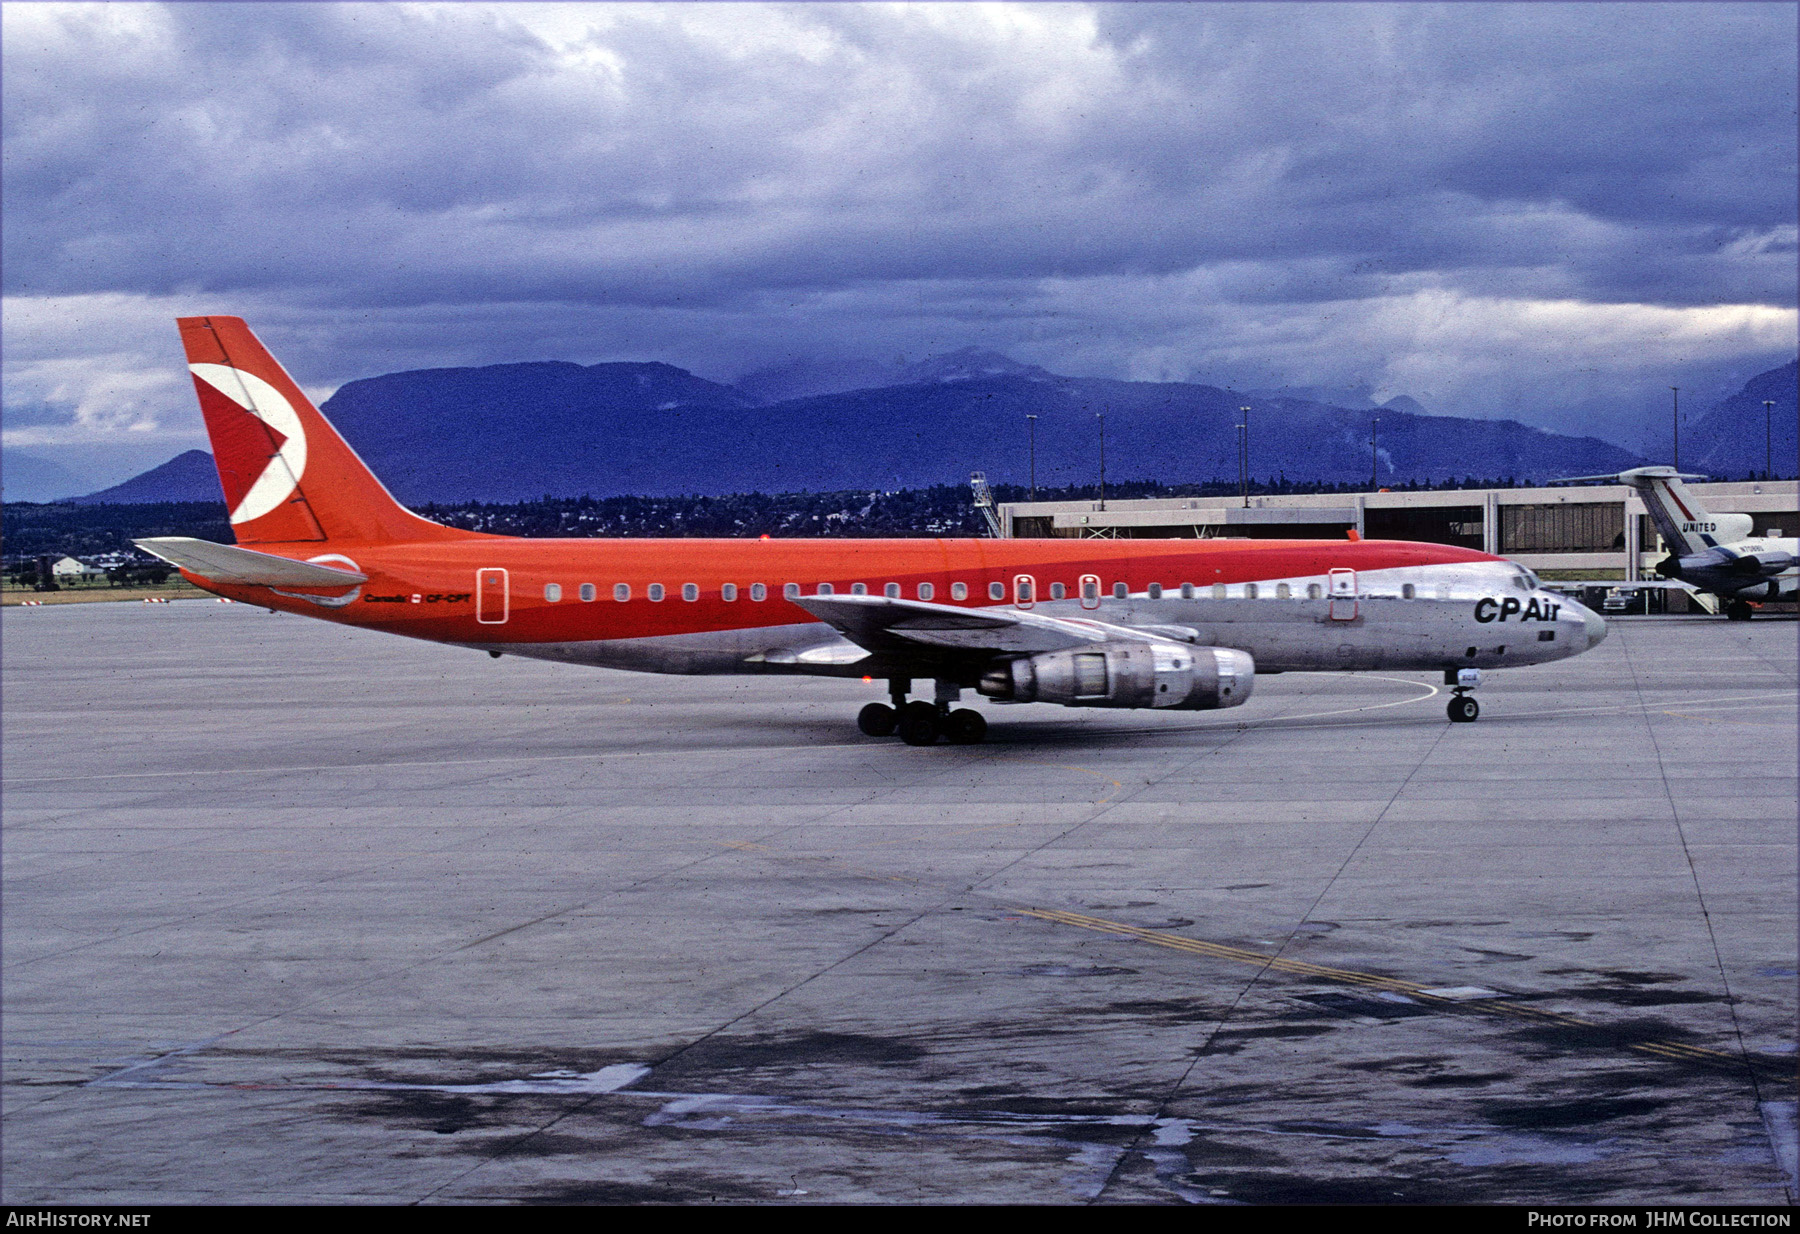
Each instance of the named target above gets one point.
<point>920,723</point>
<point>1462,708</point>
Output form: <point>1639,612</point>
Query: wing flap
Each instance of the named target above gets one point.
<point>895,626</point>
<point>227,563</point>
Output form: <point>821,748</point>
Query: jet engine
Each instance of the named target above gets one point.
<point>1127,674</point>
<point>1715,570</point>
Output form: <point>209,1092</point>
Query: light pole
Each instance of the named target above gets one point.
<point>1101,416</point>
<point>1768,439</point>
<point>1031,423</point>
<point>1374,458</point>
<point>1676,413</point>
<point>1244,456</point>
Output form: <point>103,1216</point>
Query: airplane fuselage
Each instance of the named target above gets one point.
<point>1736,571</point>
<point>727,606</point>
<point>1182,624</point>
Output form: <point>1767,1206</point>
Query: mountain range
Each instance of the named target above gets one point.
<point>1739,436</point>
<point>513,432</point>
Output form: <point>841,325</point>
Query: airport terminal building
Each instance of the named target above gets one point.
<point>1576,531</point>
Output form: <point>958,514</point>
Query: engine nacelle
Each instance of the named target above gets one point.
<point>1127,674</point>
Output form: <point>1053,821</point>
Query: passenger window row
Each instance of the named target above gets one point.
<point>758,592</point>
<point>730,592</point>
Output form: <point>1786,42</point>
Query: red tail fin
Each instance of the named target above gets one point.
<point>287,474</point>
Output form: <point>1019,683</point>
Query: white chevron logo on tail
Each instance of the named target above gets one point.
<point>262,400</point>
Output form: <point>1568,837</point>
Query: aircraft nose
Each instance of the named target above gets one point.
<point>1595,626</point>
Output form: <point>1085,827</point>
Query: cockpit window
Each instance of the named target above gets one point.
<point>1525,580</point>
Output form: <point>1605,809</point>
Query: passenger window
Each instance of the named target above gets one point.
<point>996,591</point>
<point>826,589</point>
<point>1219,591</point>
<point>1187,591</point>
<point>891,591</point>
<point>1155,591</point>
<point>656,592</point>
<point>1408,591</point>
<point>959,591</point>
<point>553,592</point>
<point>859,589</point>
<point>1121,591</point>
<point>587,591</point>
<point>1057,591</point>
<point>1250,592</point>
<point>926,591</point>
<point>1283,591</point>
<point>790,591</point>
<point>728,592</point>
<point>1090,591</point>
<point>1312,591</point>
<point>621,592</point>
<point>758,592</point>
<point>690,591</point>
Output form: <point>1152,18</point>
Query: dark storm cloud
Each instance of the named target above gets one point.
<point>1322,193</point>
<point>377,154</point>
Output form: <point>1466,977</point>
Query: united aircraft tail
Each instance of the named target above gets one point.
<point>288,477</point>
<point>1685,525</point>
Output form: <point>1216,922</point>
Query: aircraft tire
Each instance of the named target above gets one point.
<point>920,727</point>
<point>965,727</point>
<point>1737,610</point>
<point>1463,709</point>
<point>876,720</point>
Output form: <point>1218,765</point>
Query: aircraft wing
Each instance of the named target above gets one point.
<point>226,563</point>
<point>898,626</point>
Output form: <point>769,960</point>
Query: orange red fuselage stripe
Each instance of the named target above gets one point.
<point>449,568</point>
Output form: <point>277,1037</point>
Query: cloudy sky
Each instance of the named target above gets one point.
<point>1550,212</point>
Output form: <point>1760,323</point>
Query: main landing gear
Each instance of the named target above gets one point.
<point>1738,610</point>
<point>920,723</point>
<point>1462,709</point>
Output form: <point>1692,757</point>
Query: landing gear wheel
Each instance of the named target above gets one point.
<point>876,720</point>
<point>965,727</point>
<point>1737,610</point>
<point>1463,709</point>
<point>919,725</point>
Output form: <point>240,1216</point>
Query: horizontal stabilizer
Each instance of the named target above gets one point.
<point>226,563</point>
<point>1637,477</point>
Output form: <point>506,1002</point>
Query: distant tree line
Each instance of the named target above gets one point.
<point>39,575</point>
<point>941,510</point>
<point>62,530</point>
<point>32,530</point>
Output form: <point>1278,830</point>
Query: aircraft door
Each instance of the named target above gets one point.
<point>1343,595</point>
<point>1024,591</point>
<point>1090,590</point>
<point>491,597</point>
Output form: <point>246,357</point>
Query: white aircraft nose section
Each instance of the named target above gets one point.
<point>1595,625</point>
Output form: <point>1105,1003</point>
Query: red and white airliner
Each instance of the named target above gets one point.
<point>1085,623</point>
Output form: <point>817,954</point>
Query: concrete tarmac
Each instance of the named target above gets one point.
<point>294,913</point>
